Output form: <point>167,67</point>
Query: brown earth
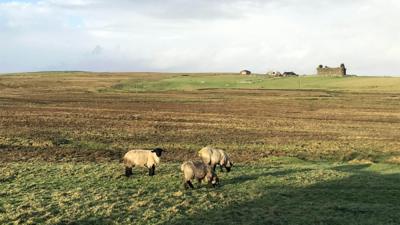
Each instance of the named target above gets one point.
<point>65,118</point>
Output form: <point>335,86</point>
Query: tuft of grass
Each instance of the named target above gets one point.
<point>59,141</point>
<point>89,145</point>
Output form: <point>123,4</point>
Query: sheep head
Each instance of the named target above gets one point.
<point>228,166</point>
<point>158,151</point>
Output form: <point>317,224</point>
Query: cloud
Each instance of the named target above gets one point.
<point>199,35</point>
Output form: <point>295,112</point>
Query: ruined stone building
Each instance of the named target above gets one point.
<point>331,72</point>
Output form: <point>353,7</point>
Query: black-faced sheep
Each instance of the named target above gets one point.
<point>142,158</point>
<point>214,157</point>
<point>199,171</point>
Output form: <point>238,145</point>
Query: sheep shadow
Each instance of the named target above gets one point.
<point>88,221</point>
<point>351,168</point>
<point>364,197</point>
<point>246,177</point>
<point>8,178</point>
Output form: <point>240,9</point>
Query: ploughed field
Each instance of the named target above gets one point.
<point>306,150</point>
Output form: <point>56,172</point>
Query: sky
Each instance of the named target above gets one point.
<point>200,35</point>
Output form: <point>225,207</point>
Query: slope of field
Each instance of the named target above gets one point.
<point>326,153</point>
<point>197,82</point>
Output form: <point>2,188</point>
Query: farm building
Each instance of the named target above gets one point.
<point>289,74</point>
<point>331,72</point>
<point>245,72</point>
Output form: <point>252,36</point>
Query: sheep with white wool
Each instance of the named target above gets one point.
<point>142,158</point>
<point>199,171</point>
<point>213,157</point>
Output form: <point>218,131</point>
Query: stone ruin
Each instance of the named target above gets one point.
<point>331,72</point>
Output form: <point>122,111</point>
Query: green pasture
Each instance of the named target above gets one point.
<point>197,82</point>
<point>272,191</point>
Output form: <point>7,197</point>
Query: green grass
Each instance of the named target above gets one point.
<point>197,82</point>
<point>273,191</point>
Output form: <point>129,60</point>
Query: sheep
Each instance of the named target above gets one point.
<point>142,158</point>
<point>214,157</point>
<point>199,171</point>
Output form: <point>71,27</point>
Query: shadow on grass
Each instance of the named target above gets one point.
<point>365,197</point>
<point>89,221</point>
<point>7,178</point>
<point>245,178</point>
<point>352,168</point>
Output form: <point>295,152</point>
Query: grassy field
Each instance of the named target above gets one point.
<point>272,191</point>
<point>185,82</point>
<point>306,150</point>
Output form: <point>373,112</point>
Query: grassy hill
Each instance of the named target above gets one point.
<point>197,82</point>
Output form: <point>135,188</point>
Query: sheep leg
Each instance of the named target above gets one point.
<point>214,166</point>
<point>152,171</point>
<point>186,184</point>
<point>216,181</point>
<point>190,184</point>
<point>198,182</point>
<point>128,171</point>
